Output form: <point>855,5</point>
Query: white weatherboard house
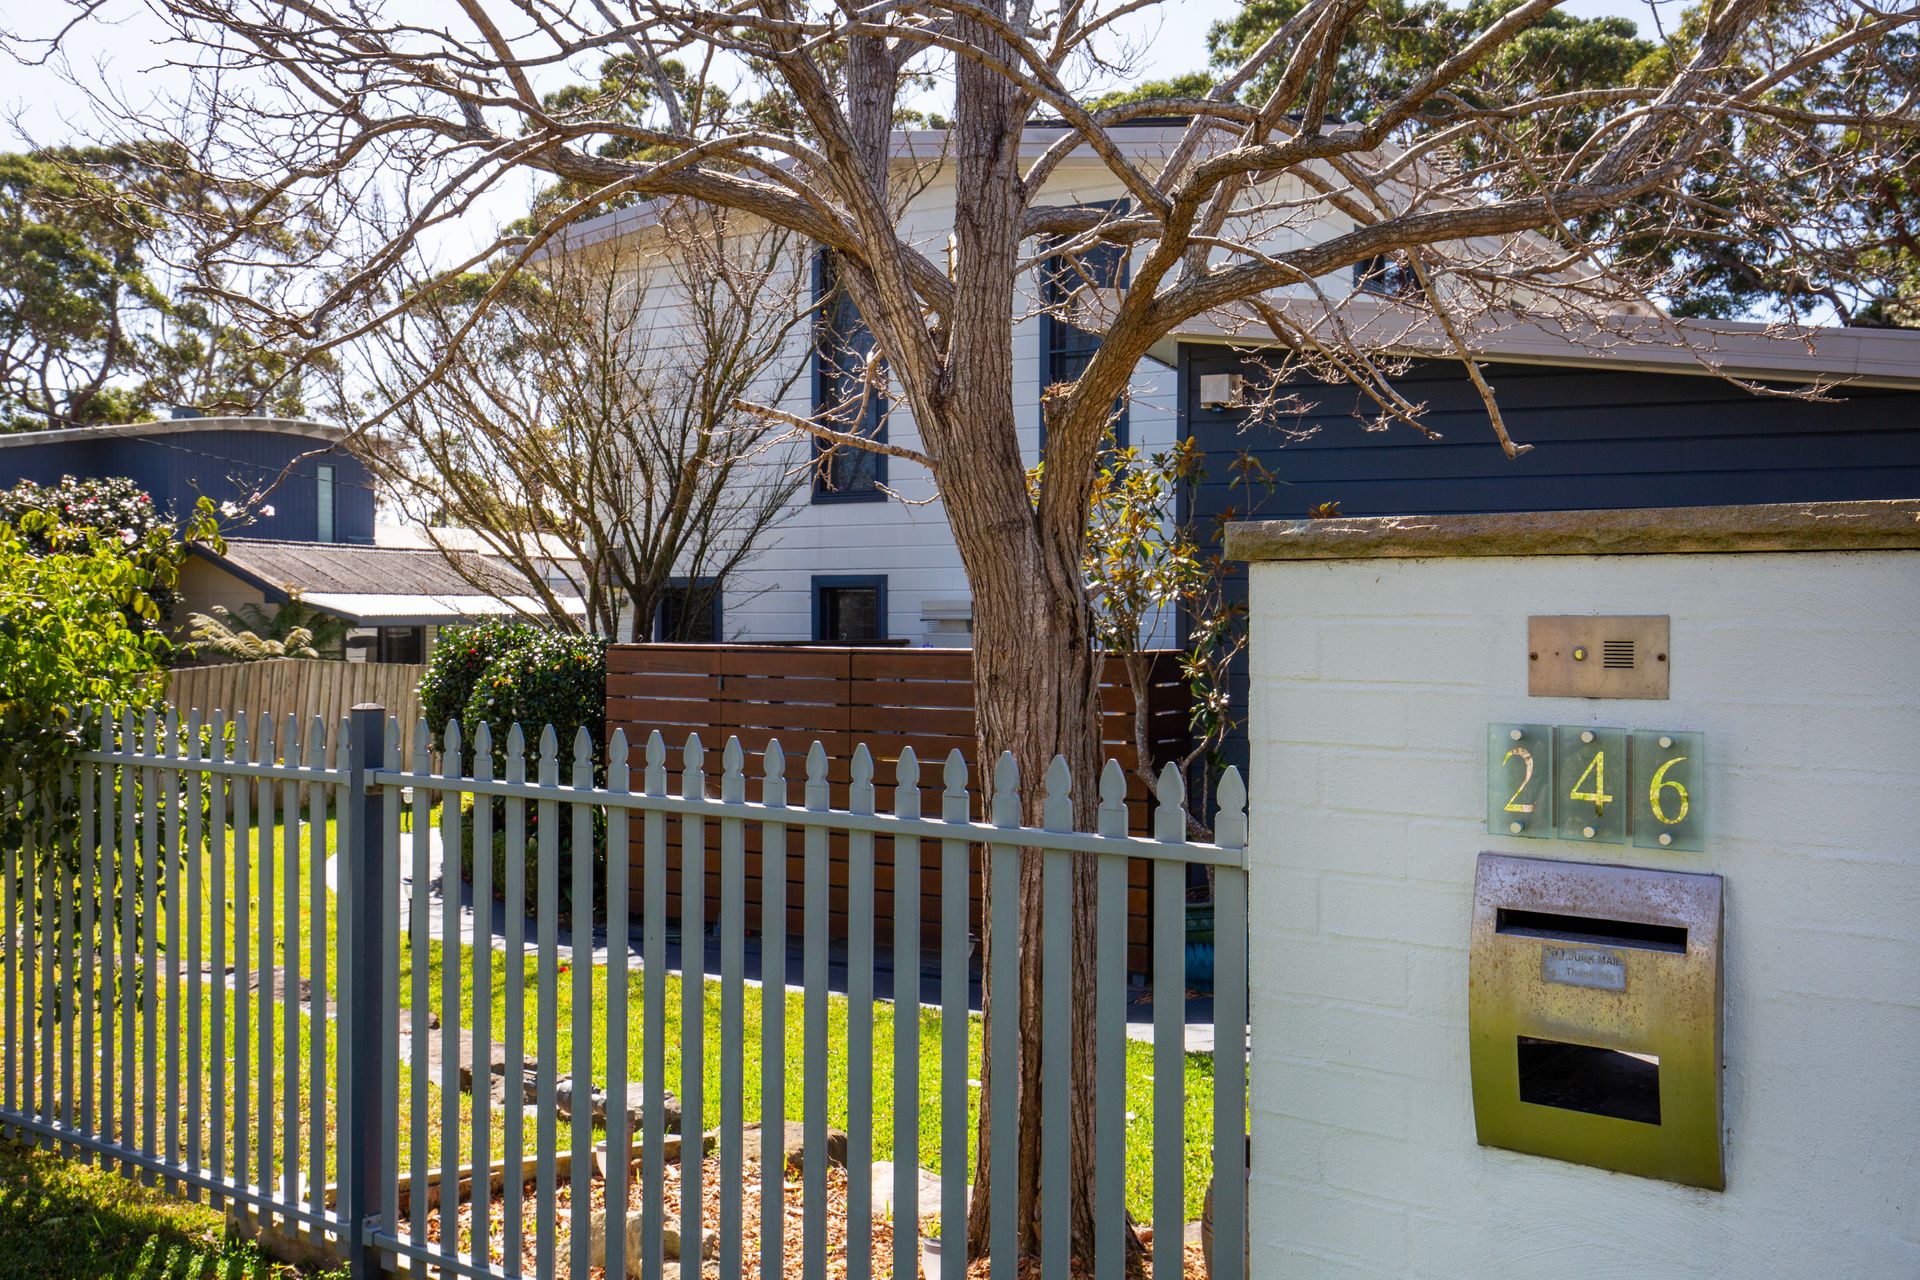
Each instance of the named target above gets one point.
<point>867,555</point>
<point>1628,412</point>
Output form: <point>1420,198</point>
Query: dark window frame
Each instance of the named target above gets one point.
<point>386,642</point>
<point>1058,351</point>
<point>718,605</point>
<point>827,302</point>
<point>823,582</point>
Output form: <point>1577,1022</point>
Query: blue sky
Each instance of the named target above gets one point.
<point>38,105</point>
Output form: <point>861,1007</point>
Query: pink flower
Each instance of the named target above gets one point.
<point>267,510</point>
<point>126,536</point>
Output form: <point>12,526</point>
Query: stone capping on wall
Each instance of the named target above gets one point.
<point>1793,526</point>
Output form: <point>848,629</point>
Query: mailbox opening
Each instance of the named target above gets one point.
<point>1591,930</point>
<point>1580,1077</point>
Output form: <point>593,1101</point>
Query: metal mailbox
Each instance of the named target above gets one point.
<point>1594,1015</point>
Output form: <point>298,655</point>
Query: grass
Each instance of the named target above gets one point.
<point>296,930</point>
<point>64,1220</point>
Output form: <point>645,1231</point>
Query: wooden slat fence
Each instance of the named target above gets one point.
<point>304,687</point>
<point>886,698</point>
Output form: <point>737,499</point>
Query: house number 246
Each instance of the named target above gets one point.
<point>1596,785</point>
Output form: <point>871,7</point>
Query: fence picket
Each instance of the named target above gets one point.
<point>450,769</point>
<point>480,1065</point>
<point>1110,1037</point>
<point>1229,1037</point>
<point>581,1067</point>
<point>1169,1034</point>
<point>1003,1022</point>
<point>733,927</point>
<point>418,1023</point>
<point>860,1022</point>
<point>546,926</point>
<point>89,818</point>
<point>290,832</point>
<point>217,995</point>
<point>906,1023</point>
<point>317,1037</point>
<point>389,926</point>
<point>813,1088</point>
<point>653,1019</point>
<point>243,839</point>
<point>107,868</point>
<point>66,967</point>
<point>693,997</point>
<point>1056,1021</point>
<point>264,869</point>
<point>196,887</point>
<point>955,1088</point>
<point>150,984</point>
<point>513,1135</point>
<point>170,862</point>
<point>619,1006</point>
<point>773,1014</point>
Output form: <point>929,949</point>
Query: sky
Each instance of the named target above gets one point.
<point>39,105</point>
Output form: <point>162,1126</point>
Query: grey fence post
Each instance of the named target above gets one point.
<point>365,1116</point>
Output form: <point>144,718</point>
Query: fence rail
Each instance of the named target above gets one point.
<point>232,974</point>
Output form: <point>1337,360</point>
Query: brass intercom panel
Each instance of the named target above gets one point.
<point>1594,1015</point>
<point>1574,656</point>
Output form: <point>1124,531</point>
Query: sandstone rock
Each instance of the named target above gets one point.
<point>794,1146</point>
<point>669,1241</point>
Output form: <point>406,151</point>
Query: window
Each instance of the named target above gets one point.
<point>1386,276</point>
<point>689,612</point>
<point>1065,287</point>
<point>841,398</point>
<point>401,644</point>
<point>849,610</point>
<point>323,503</point>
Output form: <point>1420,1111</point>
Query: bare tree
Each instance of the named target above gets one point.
<point>1487,201</point>
<point>583,425</point>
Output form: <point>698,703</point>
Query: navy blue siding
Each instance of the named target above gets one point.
<point>227,465</point>
<point>1602,439</point>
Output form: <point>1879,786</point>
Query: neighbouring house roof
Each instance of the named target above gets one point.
<point>175,426</point>
<point>1727,348</point>
<point>371,585</point>
<point>438,537</point>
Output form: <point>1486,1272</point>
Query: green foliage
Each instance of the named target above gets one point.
<point>111,512</point>
<point>250,633</point>
<point>459,657</point>
<point>549,678</point>
<point>87,334</point>
<point>78,614</point>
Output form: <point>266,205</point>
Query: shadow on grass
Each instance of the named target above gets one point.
<point>60,1218</point>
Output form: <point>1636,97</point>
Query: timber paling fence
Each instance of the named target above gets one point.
<point>248,1020</point>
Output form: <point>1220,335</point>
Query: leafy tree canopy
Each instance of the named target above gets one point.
<point>90,330</point>
<point>1855,258</point>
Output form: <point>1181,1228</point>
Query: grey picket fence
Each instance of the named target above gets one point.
<point>211,1008</point>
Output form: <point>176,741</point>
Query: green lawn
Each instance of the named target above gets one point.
<point>63,1220</point>
<point>297,929</point>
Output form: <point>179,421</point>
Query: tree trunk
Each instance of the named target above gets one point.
<point>1036,694</point>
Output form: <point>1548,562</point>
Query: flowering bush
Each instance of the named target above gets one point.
<point>110,512</point>
<point>454,667</point>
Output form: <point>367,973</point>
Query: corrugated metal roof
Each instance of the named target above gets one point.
<point>339,567</point>
<point>374,608</point>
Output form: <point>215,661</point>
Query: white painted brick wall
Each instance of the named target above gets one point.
<point>1373,684</point>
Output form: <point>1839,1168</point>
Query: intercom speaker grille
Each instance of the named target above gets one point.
<point>1617,654</point>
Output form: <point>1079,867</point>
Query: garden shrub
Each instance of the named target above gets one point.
<point>458,658</point>
<point>515,673</point>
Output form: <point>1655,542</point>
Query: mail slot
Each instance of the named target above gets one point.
<point>1593,1009</point>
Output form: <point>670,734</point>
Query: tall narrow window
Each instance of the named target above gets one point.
<point>1068,288</point>
<point>323,503</point>
<point>842,398</point>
